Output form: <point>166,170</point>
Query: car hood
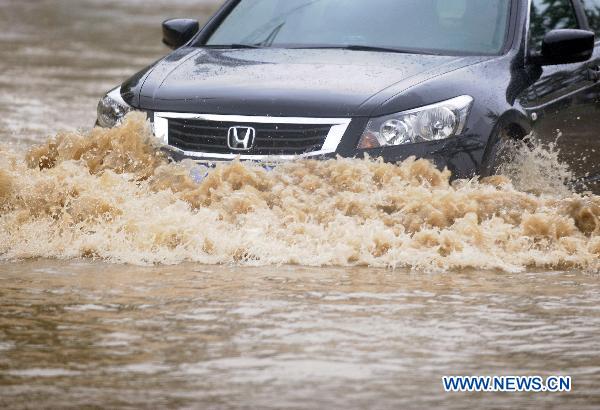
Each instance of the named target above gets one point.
<point>283,82</point>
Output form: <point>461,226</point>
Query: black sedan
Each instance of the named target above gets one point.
<point>447,80</point>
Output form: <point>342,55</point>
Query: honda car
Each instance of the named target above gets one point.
<point>447,80</point>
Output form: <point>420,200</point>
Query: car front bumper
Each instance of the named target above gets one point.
<point>462,155</point>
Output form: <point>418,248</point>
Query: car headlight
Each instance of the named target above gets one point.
<point>431,123</point>
<point>112,109</point>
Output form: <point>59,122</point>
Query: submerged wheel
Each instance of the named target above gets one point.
<point>499,155</point>
<point>500,152</point>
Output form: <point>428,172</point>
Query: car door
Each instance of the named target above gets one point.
<point>592,98</point>
<point>565,98</point>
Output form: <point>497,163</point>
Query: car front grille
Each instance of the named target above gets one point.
<point>208,136</point>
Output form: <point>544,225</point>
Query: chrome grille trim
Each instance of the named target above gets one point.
<point>332,141</point>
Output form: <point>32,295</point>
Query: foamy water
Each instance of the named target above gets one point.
<point>112,195</point>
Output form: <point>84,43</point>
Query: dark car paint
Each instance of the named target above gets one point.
<point>508,90</point>
<point>284,82</point>
<point>566,101</point>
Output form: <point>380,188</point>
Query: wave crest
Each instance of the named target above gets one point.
<point>112,194</point>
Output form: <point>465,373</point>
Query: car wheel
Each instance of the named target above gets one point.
<point>506,143</point>
<point>498,153</point>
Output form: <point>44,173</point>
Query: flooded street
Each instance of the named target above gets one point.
<point>124,284</point>
<point>83,334</point>
<point>58,57</point>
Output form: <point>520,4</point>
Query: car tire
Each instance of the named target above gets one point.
<point>496,154</point>
<point>499,152</point>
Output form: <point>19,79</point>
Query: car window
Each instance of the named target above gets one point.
<point>548,15</point>
<point>592,11</point>
<point>456,26</point>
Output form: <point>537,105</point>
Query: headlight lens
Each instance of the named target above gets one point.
<point>431,123</point>
<point>112,109</point>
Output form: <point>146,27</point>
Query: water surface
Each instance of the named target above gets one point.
<point>87,334</point>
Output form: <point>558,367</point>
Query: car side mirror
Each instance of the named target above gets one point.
<point>177,32</point>
<point>566,46</point>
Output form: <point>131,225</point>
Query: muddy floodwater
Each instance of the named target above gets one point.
<point>127,281</point>
<point>79,333</point>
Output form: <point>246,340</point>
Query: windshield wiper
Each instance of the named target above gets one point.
<point>232,46</point>
<point>353,47</point>
<point>271,37</point>
<point>357,47</point>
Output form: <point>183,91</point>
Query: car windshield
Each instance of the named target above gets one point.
<point>438,26</point>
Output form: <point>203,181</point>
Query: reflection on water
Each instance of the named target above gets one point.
<point>85,334</point>
<point>75,334</point>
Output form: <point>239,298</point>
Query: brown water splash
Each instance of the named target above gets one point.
<point>124,149</point>
<point>111,194</point>
<point>5,188</point>
<point>535,167</point>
